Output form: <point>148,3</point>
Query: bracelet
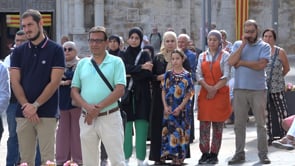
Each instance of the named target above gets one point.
<point>36,104</point>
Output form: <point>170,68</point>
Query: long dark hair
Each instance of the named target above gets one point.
<point>272,31</point>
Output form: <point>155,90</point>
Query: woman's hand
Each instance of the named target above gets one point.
<point>147,66</point>
<point>160,77</point>
<point>177,111</point>
<point>211,92</point>
<point>168,110</point>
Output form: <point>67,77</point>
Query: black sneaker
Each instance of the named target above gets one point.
<point>264,160</point>
<point>204,159</point>
<point>237,159</point>
<point>213,159</point>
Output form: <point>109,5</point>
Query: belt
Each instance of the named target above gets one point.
<point>104,113</point>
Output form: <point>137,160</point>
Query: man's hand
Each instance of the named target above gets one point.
<point>88,119</point>
<point>29,110</point>
<point>245,40</point>
<point>92,112</point>
<point>34,118</point>
<point>238,64</point>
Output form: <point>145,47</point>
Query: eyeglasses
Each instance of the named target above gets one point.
<point>68,49</point>
<point>96,40</point>
<point>250,31</point>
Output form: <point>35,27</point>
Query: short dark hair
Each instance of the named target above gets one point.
<point>35,14</point>
<point>251,22</point>
<point>272,31</point>
<point>97,29</point>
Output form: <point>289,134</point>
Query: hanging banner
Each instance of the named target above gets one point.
<point>242,11</point>
<point>12,20</point>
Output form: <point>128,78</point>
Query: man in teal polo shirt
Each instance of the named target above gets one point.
<point>101,117</point>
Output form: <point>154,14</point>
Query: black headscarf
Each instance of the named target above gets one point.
<point>151,48</point>
<point>134,50</point>
<point>115,37</point>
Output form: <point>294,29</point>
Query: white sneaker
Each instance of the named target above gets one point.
<point>127,162</point>
<point>284,143</point>
<point>142,163</point>
<point>105,162</point>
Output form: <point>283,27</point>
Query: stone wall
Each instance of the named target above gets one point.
<point>121,15</point>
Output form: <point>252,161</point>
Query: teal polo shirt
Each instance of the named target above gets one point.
<point>92,87</point>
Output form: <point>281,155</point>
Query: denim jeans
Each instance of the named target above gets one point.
<point>12,157</point>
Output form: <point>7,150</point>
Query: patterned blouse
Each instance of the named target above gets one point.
<point>277,83</point>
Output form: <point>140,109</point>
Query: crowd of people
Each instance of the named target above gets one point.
<point>65,108</point>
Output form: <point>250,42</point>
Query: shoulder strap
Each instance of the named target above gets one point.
<point>138,57</point>
<point>102,75</point>
<point>136,62</point>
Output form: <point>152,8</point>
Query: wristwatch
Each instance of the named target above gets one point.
<point>36,104</point>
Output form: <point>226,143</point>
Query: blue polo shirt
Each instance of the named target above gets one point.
<point>92,87</point>
<point>247,78</point>
<point>35,63</point>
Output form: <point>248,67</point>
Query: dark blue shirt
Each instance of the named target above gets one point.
<point>65,100</point>
<point>35,64</point>
<point>192,58</point>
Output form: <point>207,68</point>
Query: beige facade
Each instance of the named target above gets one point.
<point>77,16</point>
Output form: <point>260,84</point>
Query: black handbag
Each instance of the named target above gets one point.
<point>127,97</point>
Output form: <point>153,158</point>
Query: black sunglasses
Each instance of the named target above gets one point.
<point>68,49</point>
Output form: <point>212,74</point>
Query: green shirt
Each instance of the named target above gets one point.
<point>92,87</point>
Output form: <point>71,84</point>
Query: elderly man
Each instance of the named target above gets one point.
<point>183,43</point>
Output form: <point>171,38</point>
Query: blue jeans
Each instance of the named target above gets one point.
<point>12,157</point>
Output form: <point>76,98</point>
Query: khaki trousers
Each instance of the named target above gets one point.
<point>29,134</point>
<point>244,100</point>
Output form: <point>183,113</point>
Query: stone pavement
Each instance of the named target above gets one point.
<point>277,156</point>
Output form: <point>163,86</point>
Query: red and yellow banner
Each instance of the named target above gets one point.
<point>242,11</point>
<point>12,20</point>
